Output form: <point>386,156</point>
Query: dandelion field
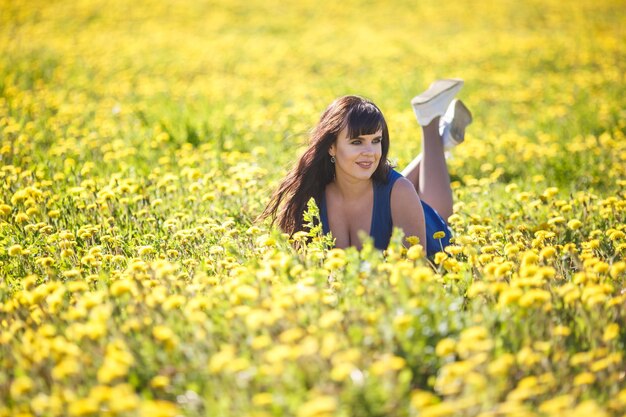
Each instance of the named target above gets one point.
<point>140,140</point>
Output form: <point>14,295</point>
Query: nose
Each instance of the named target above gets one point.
<point>368,149</point>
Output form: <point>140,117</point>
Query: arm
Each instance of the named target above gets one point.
<point>407,212</point>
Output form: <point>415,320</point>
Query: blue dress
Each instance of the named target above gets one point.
<point>382,225</point>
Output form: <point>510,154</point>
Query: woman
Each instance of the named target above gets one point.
<point>345,169</point>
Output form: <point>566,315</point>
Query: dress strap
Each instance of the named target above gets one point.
<point>382,224</point>
<point>323,213</point>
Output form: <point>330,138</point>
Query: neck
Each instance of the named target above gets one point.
<point>351,188</point>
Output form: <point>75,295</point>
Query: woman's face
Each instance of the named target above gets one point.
<point>356,158</point>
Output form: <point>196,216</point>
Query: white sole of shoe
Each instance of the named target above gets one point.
<point>462,118</point>
<point>434,101</point>
<point>436,89</point>
<point>454,124</point>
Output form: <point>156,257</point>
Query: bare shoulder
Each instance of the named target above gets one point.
<point>403,192</point>
<point>406,210</point>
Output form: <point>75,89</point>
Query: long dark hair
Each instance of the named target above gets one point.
<point>314,170</point>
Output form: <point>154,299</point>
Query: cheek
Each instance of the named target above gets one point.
<point>346,151</point>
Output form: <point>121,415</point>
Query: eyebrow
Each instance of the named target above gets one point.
<point>362,137</point>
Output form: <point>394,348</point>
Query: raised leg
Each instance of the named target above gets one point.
<point>429,171</point>
<point>412,171</point>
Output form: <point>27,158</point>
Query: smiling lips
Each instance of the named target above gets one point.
<point>365,165</point>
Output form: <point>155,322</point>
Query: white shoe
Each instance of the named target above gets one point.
<point>435,101</point>
<point>453,123</point>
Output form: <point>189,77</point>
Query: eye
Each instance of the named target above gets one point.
<point>356,142</point>
<point>377,140</point>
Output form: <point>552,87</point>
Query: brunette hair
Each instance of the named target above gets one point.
<point>315,170</point>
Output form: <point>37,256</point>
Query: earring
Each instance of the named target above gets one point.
<point>332,159</point>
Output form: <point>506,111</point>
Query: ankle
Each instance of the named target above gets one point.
<point>433,126</point>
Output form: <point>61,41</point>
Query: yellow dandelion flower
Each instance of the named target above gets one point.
<point>412,240</point>
<point>477,288</point>
<point>158,408</point>
<point>15,250</point>
<point>527,357</point>
<point>600,364</point>
<point>260,342</point>
<point>68,366</point>
<point>440,257</point>
<point>588,408</point>
<point>438,410</point>
<point>342,371</point>
<point>121,287</point>
<point>617,269</point>
<point>601,267</point>
<point>145,250</point>
<point>257,318</point>
<point>616,235</point>
<point>388,363</point>
<point>510,296</point>
<point>291,335</point>
<point>501,365</point>
<point>123,399</point>
<point>45,262</point>
<point>547,253</point>
<point>530,258</point>
<point>5,209</point>
<point>20,386</point>
<point>561,330</point>
<point>83,407</point>
<point>19,196</point>
<point>111,369</point>
<point>439,235</point>
<point>173,302</point>
<point>455,220</point>
<point>266,241</point>
<point>416,251</point>
<point>163,333</point>
<point>584,378</point>
<point>610,332</point>
<point>445,347</point>
<point>534,296</point>
<point>255,230</point>
<point>557,405</point>
<point>220,360</point>
<point>557,220</point>
<point>246,292</point>
<point>580,358</point>
<point>574,224</point>
<point>43,404</point>
<point>71,274</point>
<point>21,218</point>
<point>333,263</point>
<point>421,399</point>
<point>320,406</point>
<point>330,319</point>
<point>336,253</point>
<point>262,399</point>
<point>592,244</point>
